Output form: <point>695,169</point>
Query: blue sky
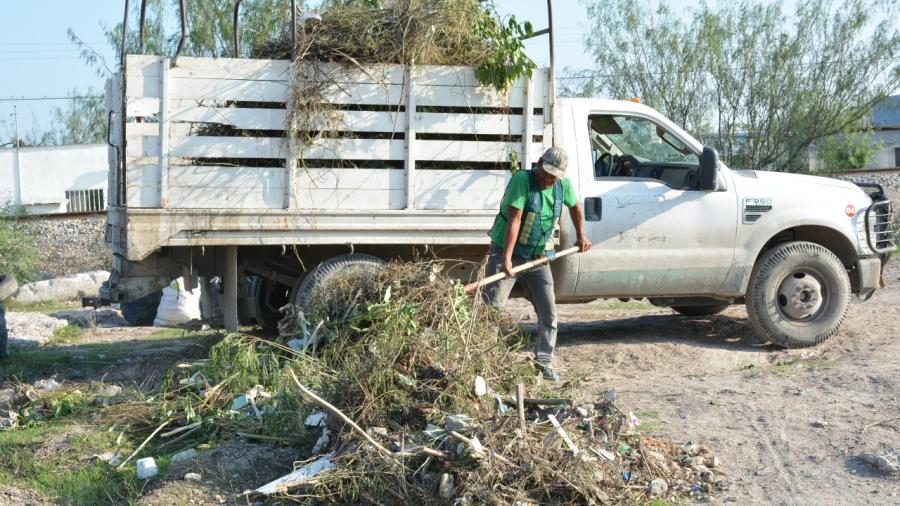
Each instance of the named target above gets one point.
<point>37,60</point>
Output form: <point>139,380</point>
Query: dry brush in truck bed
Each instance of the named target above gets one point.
<point>418,383</point>
<point>359,38</point>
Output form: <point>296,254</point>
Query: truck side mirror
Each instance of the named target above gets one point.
<point>709,168</point>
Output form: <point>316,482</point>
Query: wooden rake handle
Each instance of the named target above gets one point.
<point>471,287</point>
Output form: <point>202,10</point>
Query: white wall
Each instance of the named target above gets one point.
<point>7,190</point>
<point>46,173</point>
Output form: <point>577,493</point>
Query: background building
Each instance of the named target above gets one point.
<point>55,179</point>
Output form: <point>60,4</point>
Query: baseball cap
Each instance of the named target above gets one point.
<point>555,161</point>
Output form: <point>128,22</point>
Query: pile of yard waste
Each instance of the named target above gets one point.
<point>347,41</point>
<point>397,387</point>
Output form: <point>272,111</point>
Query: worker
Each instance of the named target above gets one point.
<point>522,231</point>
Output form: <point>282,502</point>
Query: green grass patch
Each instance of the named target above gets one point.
<point>790,367</point>
<point>28,364</point>
<point>46,306</point>
<point>62,473</point>
<point>649,421</point>
<point>71,333</point>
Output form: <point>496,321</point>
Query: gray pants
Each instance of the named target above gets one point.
<point>538,284</point>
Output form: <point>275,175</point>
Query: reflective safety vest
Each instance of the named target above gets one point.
<point>531,230</point>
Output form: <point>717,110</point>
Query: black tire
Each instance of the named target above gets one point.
<point>799,295</point>
<point>142,312</point>
<point>323,273</point>
<point>269,298</point>
<point>704,310</point>
<point>8,286</point>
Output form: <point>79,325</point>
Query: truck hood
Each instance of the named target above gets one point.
<point>785,180</point>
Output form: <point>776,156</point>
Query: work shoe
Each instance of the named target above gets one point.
<point>547,372</point>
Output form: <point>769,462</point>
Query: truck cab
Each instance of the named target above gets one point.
<point>672,223</point>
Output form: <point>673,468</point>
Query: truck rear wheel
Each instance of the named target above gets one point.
<point>704,310</point>
<point>799,295</point>
<point>324,273</point>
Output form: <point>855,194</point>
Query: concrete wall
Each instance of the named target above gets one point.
<point>883,159</point>
<point>46,173</point>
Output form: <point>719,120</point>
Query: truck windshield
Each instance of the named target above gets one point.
<point>641,138</point>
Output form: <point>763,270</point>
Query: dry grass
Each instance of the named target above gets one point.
<point>399,351</point>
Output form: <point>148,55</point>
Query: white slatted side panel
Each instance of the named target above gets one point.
<point>199,88</point>
<point>226,187</point>
<point>351,189</point>
<point>465,151</point>
<point>467,189</point>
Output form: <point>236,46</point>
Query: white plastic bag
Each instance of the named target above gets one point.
<point>177,306</point>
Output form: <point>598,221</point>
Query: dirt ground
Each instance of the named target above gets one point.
<point>788,425</point>
<point>709,380</point>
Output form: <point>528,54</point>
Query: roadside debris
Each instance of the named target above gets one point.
<point>195,477</point>
<point>419,387</point>
<point>885,463</point>
<point>300,476</point>
<point>146,468</point>
<point>28,330</point>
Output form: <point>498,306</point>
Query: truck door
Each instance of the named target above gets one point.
<point>654,231</point>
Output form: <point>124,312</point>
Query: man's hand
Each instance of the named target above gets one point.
<point>507,267</point>
<point>583,243</point>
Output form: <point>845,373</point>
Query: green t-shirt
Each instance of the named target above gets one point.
<point>517,196</point>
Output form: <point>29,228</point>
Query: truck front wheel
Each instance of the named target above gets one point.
<point>799,295</point>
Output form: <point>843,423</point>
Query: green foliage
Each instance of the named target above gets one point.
<point>44,306</point>
<point>83,121</point>
<point>760,85</point>
<point>71,333</point>
<point>507,61</point>
<point>401,351</point>
<point>68,476</point>
<point>18,254</point>
<point>848,151</point>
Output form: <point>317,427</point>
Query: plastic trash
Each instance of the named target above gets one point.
<point>177,306</point>
<point>146,468</point>
<point>480,386</point>
<point>315,419</point>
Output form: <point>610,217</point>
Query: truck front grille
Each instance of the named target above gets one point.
<point>879,227</point>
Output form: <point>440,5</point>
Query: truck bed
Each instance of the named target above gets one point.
<point>421,155</point>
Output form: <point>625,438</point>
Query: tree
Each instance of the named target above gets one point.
<point>759,85</point>
<point>848,151</point>
<point>83,121</point>
<point>209,30</point>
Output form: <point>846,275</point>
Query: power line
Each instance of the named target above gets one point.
<point>43,43</point>
<point>31,99</point>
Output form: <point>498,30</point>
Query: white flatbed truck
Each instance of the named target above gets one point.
<point>418,168</point>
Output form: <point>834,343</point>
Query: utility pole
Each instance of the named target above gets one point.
<point>17,177</point>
